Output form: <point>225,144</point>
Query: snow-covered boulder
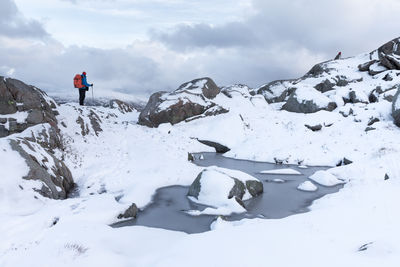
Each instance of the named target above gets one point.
<point>307,186</point>
<point>224,188</point>
<point>191,99</point>
<point>396,108</point>
<point>308,100</point>
<point>276,91</point>
<point>325,178</point>
<point>122,106</point>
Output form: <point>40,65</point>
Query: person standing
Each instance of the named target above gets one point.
<point>83,85</point>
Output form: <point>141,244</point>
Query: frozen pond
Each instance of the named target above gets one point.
<point>281,197</point>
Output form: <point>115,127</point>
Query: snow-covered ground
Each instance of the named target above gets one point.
<point>126,163</point>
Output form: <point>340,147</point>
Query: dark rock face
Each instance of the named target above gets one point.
<point>189,100</point>
<point>16,96</point>
<point>325,86</point>
<point>55,185</point>
<point>131,212</point>
<point>314,128</point>
<point>308,106</point>
<point>396,108</point>
<point>18,100</point>
<point>388,58</point>
<point>218,147</point>
<point>255,188</point>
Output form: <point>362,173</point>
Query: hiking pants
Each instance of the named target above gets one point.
<point>82,94</point>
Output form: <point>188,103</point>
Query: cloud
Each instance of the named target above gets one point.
<point>14,25</point>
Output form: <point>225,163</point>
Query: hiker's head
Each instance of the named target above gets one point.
<point>84,73</point>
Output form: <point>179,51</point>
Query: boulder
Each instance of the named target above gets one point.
<point>189,100</point>
<point>219,187</point>
<point>396,108</point>
<point>308,100</point>
<point>324,86</point>
<point>204,86</point>
<point>122,106</point>
<point>276,91</point>
<point>218,147</point>
<point>131,212</point>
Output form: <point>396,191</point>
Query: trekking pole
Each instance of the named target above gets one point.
<point>92,95</point>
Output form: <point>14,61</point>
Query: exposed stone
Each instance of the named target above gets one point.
<point>324,86</point>
<point>365,66</point>
<point>341,81</point>
<point>255,188</point>
<point>207,86</point>
<point>386,177</point>
<point>237,190</point>
<point>305,106</point>
<point>218,147</point>
<point>122,106</point>
<point>396,108</point>
<point>189,100</point>
<point>275,91</point>
<point>131,212</point>
<point>372,121</point>
<point>95,122</point>
<point>344,162</point>
<point>55,186</point>
<point>314,128</point>
<point>3,131</point>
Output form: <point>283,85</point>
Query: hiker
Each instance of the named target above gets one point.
<point>338,56</point>
<point>81,83</point>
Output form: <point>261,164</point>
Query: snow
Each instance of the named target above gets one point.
<point>129,162</point>
<point>20,117</point>
<point>282,171</point>
<point>310,94</point>
<point>325,178</point>
<point>307,186</point>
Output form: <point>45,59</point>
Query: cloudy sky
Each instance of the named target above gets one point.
<point>142,46</point>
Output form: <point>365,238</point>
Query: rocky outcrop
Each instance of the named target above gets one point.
<point>276,91</point>
<point>131,212</point>
<point>122,106</point>
<point>308,100</point>
<point>25,108</point>
<point>189,100</point>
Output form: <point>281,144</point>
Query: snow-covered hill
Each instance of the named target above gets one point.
<point>340,112</point>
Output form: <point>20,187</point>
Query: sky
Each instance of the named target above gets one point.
<point>143,46</point>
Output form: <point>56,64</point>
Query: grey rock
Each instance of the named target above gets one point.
<point>181,107</point>
<point>122,106</point>
<point>208,87</point>
<point>396,108</point>
<point>374,95</point>
<point>324,86</point>
<point>341,81</point>
<point>255,188</point>
<point>386,177</point>
<point>275,91</point>
<point>131,212</point>
<point>369,129</point>
<point>353,98</point>
<point>56,187</point>
<point>195,187</point>
<point>372,121</point>
<point>35,116</point>
<point>344,162</point>
<point>294,105</point>
<point>388,78</point>
<point>3,131</point>
<point>95,121</point>
<point>3,120</point>
<point>218,147</point>
<point>237,190</point>
<point>314,128</point>
<point>365,66</point>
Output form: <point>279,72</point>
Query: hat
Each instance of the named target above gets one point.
<point>84,73</point>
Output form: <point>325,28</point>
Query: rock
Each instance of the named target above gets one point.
<point>35,117</point>
<point>386,177</point>
<point>122,106</point>
<point>3,131</point>
<point>369,129</point>
<point>131,212</point>
<point>314,128</point>
<point>229,185</point>
<point>57,181</point>
<point>218,147</point>
<point>396,108</point>
<point>341,81</point>
<point>95,122</point>
<point>190,157</point>
<point>207,86</point>
<point>388,78</point>
<point>355,97</point>
<point>365,66</point>
<point>344,162</point>
<point>275,91</point>
<point>372,121</point>
<point>304,100</point>
<point>324,86</point>
<point>376,68</point>
<point>374,95</point>
<point>189,100</point>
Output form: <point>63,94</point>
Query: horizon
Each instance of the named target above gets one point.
<point>139,47</point>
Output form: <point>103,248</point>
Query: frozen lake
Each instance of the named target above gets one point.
<point>280,199</point>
